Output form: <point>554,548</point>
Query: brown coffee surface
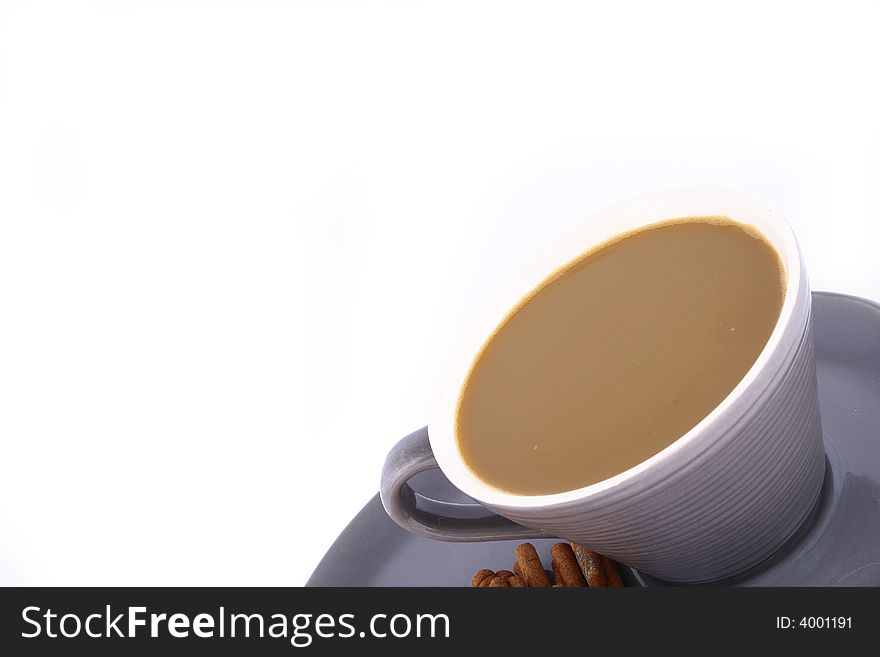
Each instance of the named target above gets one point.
<point>618,354</point>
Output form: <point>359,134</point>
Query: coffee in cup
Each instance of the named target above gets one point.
<point>618,354</point>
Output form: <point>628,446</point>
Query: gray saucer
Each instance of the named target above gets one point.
<point>838,546</point>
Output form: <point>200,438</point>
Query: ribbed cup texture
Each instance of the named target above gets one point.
<point>722,504</point>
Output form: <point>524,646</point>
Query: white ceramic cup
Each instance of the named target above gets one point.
<point>721,499</point>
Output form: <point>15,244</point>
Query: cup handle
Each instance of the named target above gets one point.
<point>408,458</point>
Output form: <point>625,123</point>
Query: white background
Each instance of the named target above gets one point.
<point>237,238</point>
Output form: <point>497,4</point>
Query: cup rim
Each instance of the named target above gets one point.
<point>593,232</point>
